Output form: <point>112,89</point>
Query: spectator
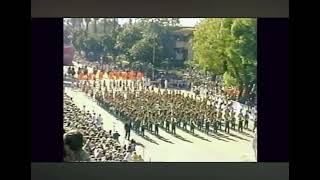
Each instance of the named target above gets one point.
<point>127,128</point>
<point>116,136</point>
<point>127,157</point>
<point>73,142</point>
<point>135,157</point>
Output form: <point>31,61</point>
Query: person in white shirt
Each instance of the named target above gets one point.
<point>127,157</point>
<point>99,118</point>
<point>98,153</point>
<point>94,117</point>
<point>166,84</point>
<point>99,121</point>
<point>84,109</point>
<point>254,144</point>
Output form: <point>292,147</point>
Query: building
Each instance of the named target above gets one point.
<point>182,43</point>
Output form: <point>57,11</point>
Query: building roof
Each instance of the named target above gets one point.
<point>184,30</point>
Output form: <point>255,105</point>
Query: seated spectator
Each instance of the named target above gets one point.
<point>140,158</point>
<point>73,142</point>
<point>116,136</point>
<point>135,157</point>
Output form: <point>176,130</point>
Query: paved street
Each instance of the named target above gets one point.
<point>185,147</point>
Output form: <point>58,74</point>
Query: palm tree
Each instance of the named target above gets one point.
<point>95,24</point>
<point>73,22</point>
<point>175,21</point>
<point>79,22</point>
<point>104,24</point>
<point>87,20</point>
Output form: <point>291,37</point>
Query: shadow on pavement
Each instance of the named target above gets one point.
<point>140,144</point>
<point>193,134</point>
<point>247,134</point>
<point>218,138</point>
<point>200,137</point>
<point>164,139</point>
<point>148,139</point>
<point>176,135</point>
<point>236,136</point>
<point>224,136</point>
<point>159,136</point>
<point>180,137</point>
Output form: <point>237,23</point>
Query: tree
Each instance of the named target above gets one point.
<point>79,37</point>
<point>95,24</point>
<point>109,44</point>
<point>129,36</point>
<point>244,48</point>
<point>80,22</point>
<point>208,46</point>
<point>137,40</point>
<point>87,20</point>
<point>104,25</point>
<point>227,46</point>
<point>66,35</point>
<point>93,44</point>
<point>175,22</point>
<point>73,22</point>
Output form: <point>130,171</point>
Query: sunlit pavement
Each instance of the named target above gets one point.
<point>189,148</point>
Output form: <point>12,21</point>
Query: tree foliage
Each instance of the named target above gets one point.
<point>138,39</point>
<point>135,41</point>
<point>227,46</point>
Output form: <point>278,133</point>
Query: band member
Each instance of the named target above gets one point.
<point>167,124</point>
<point>192,126</point>
<point>156,129</point>
<point>207,126</point>
<point>233,121</point>
<point>219,120</point>
<point>142,128</point>
<point>240,125</point>
<point>246,120</point>
<point>173,126</point>
<point>255,124</point>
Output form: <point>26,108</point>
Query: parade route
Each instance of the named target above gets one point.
<point>185,147</point>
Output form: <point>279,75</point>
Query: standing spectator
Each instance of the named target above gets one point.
<point>255,145</point>
<point>165,83</point>
<point>127,128</point>
<point>127,157</point>
<point>99,120</point>
<point>133,144</point>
